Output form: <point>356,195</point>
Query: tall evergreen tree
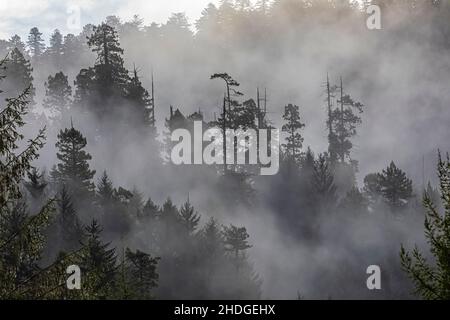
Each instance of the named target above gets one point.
<point>18,76</point>
<point>73,168</point>
<point>57,94</point>
<point>141,102</point>
<point>69,225</point>
<point>110,72</point>
<point>98,265</point>
<point>236,240</point>
<point>36,183</point>
<point>142,273</point>
<point>21,235</point>
<point>395,186</point>
<point>189,218</point>
<point>56,49</point>
<point>35,43</point>
<point>105,190</point>
<point>323,183</point>
<point>344,121</point>
<point>294,140</point>
<point>16,42</point>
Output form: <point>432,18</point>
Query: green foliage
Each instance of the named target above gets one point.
<point>98,265</point>
<point>432,280</point>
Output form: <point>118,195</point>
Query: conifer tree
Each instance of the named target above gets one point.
<point>16,42</point>
<point>212,239</point>
<point>395,186</point>
<point>110,72</point>
<point>35,43</point>
<point>141,102</point>
<point>105,190</point>
<point>431,280</point>
<point>56,49</point>
<point>57,94</point>
<point>344,121</point>
<point>294,140</point>
<point>18,76</point>
<point>151,210</point>
<point>69,226</point>
<point>142,271</point>
<point>323,183</point>
<point>21,235</point>
<point>189,218</point>
<point>73,168</point>
<point>236,240</point>
<point>36,183</point>
<point>98,264</point>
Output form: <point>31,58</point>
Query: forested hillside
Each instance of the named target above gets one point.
<point>86,177</point>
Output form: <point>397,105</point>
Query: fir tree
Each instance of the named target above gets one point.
<point>98,264</point>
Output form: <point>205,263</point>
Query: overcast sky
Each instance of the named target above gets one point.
<point>18,16</point>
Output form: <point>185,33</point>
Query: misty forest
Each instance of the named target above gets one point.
<point>86,177</point>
